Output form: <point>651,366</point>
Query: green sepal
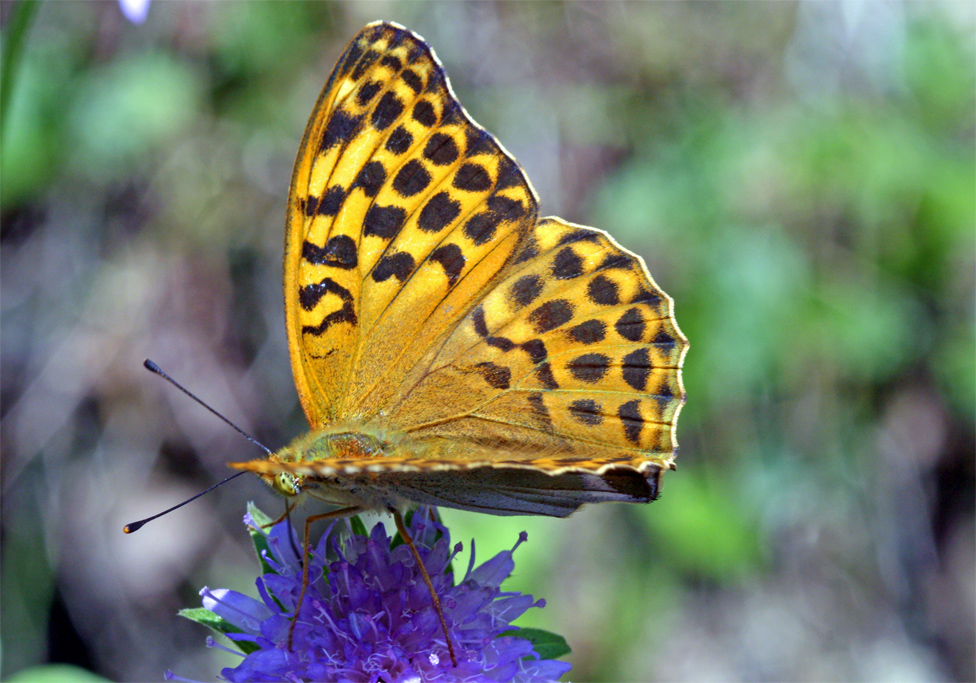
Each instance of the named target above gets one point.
<point>259,536</point>
<point>218,624</point>
<point>546,644</point>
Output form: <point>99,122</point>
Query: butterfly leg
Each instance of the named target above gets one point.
<point>306,551</point>
<point>402,528</point>
<point>288,509</point>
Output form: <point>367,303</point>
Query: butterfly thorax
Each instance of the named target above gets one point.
<point>317,461</point>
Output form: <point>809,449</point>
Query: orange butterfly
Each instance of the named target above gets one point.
<point>449,346</point>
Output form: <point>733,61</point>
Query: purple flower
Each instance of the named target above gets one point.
<point>368,615</point>
<point>135,11</point>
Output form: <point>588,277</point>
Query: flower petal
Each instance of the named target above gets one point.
<point>242,611</point>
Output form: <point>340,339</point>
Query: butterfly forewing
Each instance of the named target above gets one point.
<point>403,211</point>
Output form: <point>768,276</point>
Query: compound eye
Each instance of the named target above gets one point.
<point>286,484</point>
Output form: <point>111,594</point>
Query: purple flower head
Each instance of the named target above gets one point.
<point>368,616</point>
<point>135,11</point>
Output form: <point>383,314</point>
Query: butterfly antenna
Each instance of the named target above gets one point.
<point>152,367</point>
<point>135,526</point>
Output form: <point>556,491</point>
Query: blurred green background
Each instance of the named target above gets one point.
<point>799,177</point>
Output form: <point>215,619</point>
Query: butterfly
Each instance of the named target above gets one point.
<point>449,347</point>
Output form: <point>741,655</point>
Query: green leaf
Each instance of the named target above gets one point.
<point>207,618</point>
<point>55,673</point>
<point>218,624</point>
<point>546,644</point>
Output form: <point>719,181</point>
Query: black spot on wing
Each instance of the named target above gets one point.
<point>509,174</point>
<point>578,236</point>
<point>637,368</point>
<point>525,290</point>
<point>604,291</point>
<point>503,343</point>
<point>497,376</point>
<point>417,52</point>
<point>589,332</point>
<point>327,205</point>
<point>536,350</point>
<point>586,411</point>
<point>452,260</point>
<point>354,52</point>
<point>664,395</point>
<point>339,252</point>
<point>478,319</point>
<point>479,142</point>
<point>481,328</point>
<point>452,114</point>
<point>664,340</point>
<point>567,265</point>
<point>412,80</point>
<point>339,130</point>
<point>551,315</point>
<point>615,261</point>
<point>365,62</point>
<point>528,251</point>
<point>384,221</point>
<point>411,179</point>
<point>633,422</point>
<point>481,227</point>
<point>399,141</point>
<point>631,325</point>
<point>367,93</point>
<point>310,295</point>
<point>332,201</point>
<point>644,296</point>
<point>509,208</point>
<point>387,111</point>
<point>543,373</point>
<point>398,265</point>
<point>371,178</point>
<point>590,367</point>
<point>392,61</point>
<point>472,177</point>
<point>439,212</point>
<point>538,408</point>
<point>441,149</point>
<point>424,114</point>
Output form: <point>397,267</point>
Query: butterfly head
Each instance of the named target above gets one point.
<point>285,483</point>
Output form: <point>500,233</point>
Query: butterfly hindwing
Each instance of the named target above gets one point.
<point>575,352</point>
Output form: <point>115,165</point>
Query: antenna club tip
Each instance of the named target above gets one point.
<point>130,528</point>
<point>149,365</point>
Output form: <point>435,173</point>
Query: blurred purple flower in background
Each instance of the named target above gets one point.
<point>135,11</point>
<point>368,615</point>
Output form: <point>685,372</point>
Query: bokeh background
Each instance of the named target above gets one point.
<point>798,176</point>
